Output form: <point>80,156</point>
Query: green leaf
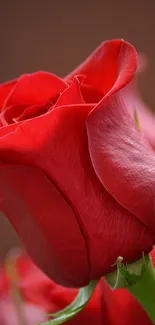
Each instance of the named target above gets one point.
<point>75,307</point>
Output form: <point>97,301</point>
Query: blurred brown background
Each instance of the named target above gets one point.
<point>56,35</point>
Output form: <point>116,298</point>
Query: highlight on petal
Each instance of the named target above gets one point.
<point>123,160</point>
<point>110,67</point>
<point>36,88</point>
<point>36,208</point>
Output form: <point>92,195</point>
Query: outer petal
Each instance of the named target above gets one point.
<point>57,143</point>
<point>122,158</point>
<point>45,223</point>
<point>111,65</point>
<point>36,88</point>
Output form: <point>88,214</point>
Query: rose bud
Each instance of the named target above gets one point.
<point>77,177</point>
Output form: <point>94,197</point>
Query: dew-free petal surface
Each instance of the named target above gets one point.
<point>111,65</point>
<point>58,146</point>
<point>122,158</point>
<point>45,223</point>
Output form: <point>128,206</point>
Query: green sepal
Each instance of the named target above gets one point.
<point>139,279</point>
<point>127,274</point>
<point>75,307</point>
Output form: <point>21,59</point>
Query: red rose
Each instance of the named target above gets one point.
<point>41,296</point>
<point>77,178</point>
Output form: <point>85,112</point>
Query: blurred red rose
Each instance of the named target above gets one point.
<point>41,296</point>
<point>77,176</point>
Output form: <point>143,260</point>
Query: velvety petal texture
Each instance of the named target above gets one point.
<point>62,153</point>
<point>76,176</point>
<point>72,95</point>
<point>122,158</point>
<point>30,201</point>
<point>34,88</point>
<point>111,65</point>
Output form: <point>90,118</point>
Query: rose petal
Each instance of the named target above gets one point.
<point>122,158</point>
<point>71,95</point>
<point>111,65</point>
<point>36,88</point>
<point>7,129</point>
<point>31,112</point>
<point>45,223</point>
<point>57,143</point>
<point>90,94</point>
<point>10,114</point>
